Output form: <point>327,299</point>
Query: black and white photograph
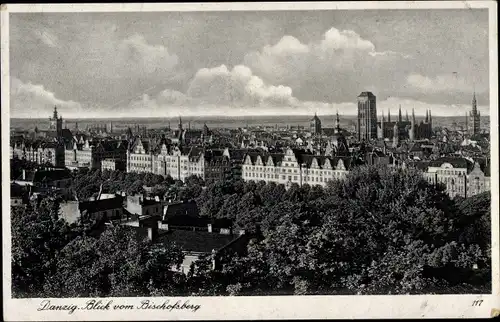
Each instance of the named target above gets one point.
<point>254,152</point>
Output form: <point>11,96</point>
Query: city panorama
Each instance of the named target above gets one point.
<point>297,153</point>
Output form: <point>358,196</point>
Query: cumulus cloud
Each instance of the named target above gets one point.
<point>333,69</point>
<point>238,86</point>
<point>442,83</point>
<point>32,100</point>
<point>346,39</point>
<point>136,52</point>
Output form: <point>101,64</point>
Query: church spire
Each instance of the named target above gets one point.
<point>55,113</point>
<point>388,115</point>
<point>337,122</point>
<point>400,117</point>
<point>474,103</point>
<point>426,116</point>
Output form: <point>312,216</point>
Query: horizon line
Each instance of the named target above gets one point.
<point>224,116</point>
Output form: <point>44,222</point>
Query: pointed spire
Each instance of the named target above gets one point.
<point>407,119</point>
<point>388,115</point>
<point>474,103</point>
<point>337,122</point>
<point>400,117</point>
<point>426,116</point>
<point>55,112</point>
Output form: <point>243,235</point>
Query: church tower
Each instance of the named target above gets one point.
<point>56,123</point>
<point>315,125</point>
<point>412,128</point>
<point>382,121</point>
<point>476,125</point>
<point>53,120</point>
<point>367,116</point>
<point>395,139</point>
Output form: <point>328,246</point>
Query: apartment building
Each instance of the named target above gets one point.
<point>460,176</point>
<point>294,166</point>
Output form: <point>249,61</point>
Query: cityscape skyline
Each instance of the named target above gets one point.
<point>306,151</point>
<point>203,63</point>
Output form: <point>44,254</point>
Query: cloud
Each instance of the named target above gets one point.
<point>442,83</point>
<point>238,86</point>
<point>346,39</point>
<point>31,100</point>
<point>137,53</point>
<point>332,69</point>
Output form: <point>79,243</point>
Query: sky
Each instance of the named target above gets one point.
<point>247,63</point>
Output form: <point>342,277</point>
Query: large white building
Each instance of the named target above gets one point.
<point>146,155</point>
<point>460,176</point>
<point>294,166</point>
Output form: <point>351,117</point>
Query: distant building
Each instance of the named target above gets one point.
<point>406,129</point>
<point>178,162</point>
<point>460,176</point>
<point>294,166</point>
<point>315,125</point>
<point>56,122</point>
<point>113,165</point>
<point>367,116</point>
<point>475,117</point>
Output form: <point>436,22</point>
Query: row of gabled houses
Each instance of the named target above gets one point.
<point>295,166</point>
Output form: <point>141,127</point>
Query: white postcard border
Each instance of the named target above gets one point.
<point>271,307</point>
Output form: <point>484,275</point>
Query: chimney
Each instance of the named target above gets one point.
<point>152,232</point>
<point>24,174</point>
<point>209,228</point>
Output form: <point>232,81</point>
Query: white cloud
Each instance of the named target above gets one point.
<point>34,101</point>
<point>238,86</point>
<point>345,39</point>
<point>286,45</point>
<point>335,68</point>
<point>442,83</point>
<point>150,58</point>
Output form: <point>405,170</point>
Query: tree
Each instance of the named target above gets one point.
<point>117,263</point>
<point>379,231</point>
<point>38,234</point>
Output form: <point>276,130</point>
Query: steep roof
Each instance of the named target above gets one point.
<point>366,94</point>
